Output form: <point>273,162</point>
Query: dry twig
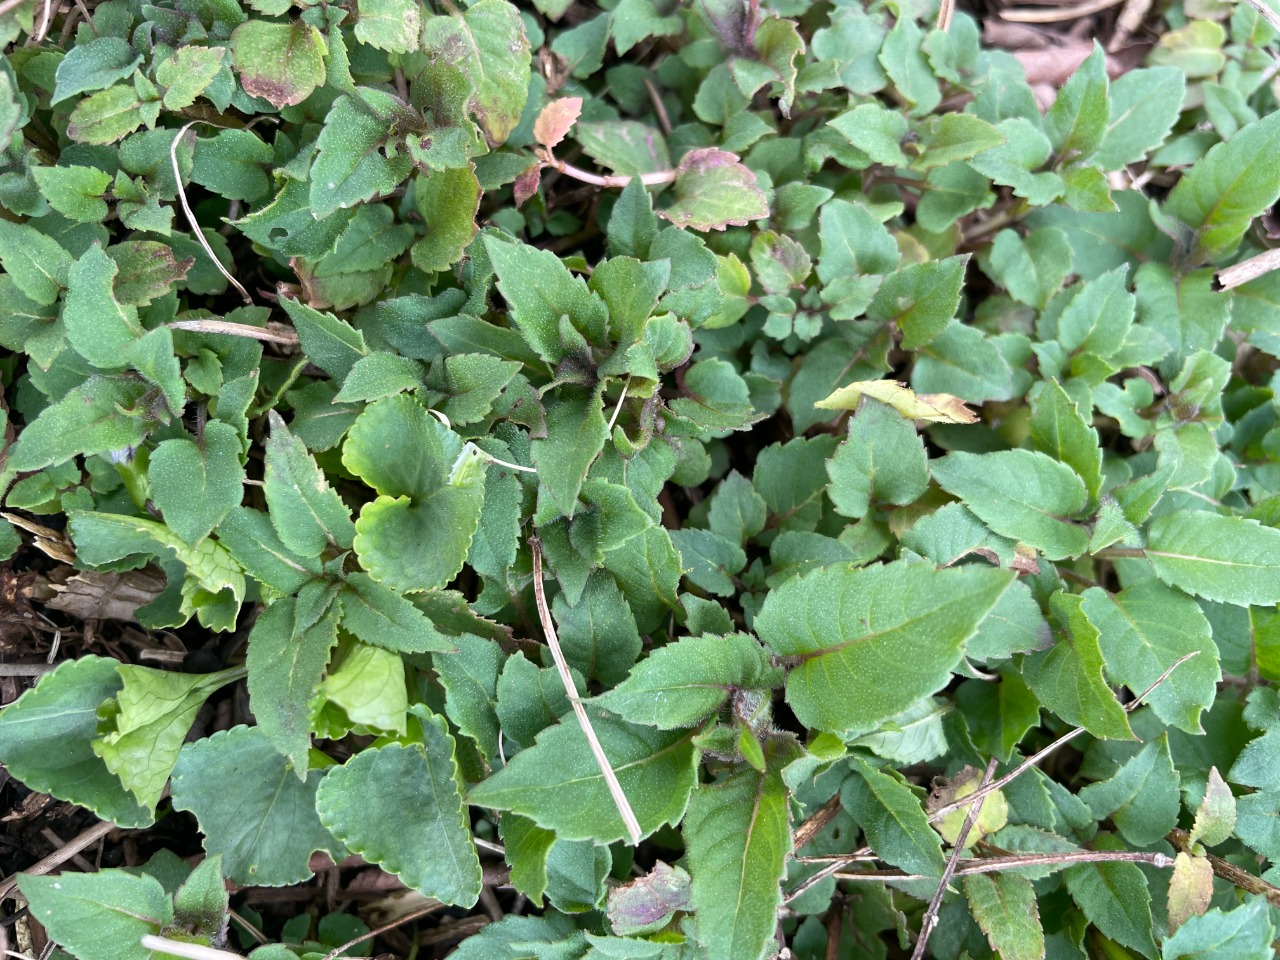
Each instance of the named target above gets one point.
<point>571,690</point>
<point>59,857</point>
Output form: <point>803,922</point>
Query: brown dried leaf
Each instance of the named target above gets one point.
<point>555,120</point>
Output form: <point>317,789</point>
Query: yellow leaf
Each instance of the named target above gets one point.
<point>933,407</point>
<point>1190,889</point>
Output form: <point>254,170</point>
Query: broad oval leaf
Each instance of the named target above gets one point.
<point>1228,559</point>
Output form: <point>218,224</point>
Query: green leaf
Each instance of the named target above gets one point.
<point>1012,164</point>
<point>391,25</point>
<point>447,201</point>
<point>36,261</point>
<point>379,375</point>
<point>197,483</point>
<point>539,290</point>
<point>1142,797</point>
<point>308,515</point>
<point>576,433</point>
<point>414,825</point>
<point>488,44</point>
<point>527,847</point>
<point>266,828</point>
<point>99,916</point>
<point>738,837</point>
<point>1061,431</point>
<point>289,648</point>
<point>202,901</point>
<point>1004,905</point>
<point>1020,494</point>
<point>280,62</point>
<point>94,65</point>
<point>999,714</point>
<point>98,326</point>
<point>892,820</point>
<point>876,131</point>
<point>380,616</point>
<point>367,685</point>
<point>75,192</point>
<point>469,676</point>
<point>1144,107</point>
<point>708,560</point>
<point>1219,196</point>
<point>1244,933</point>
<point>1256,765</point>
<point>844,625</point>
<point>1223,558</point>
<point>952,137</point>
<point>331,343</point>
<point>253,543</point>
<point>713,191</point>
<point>683,683</point>
<point>148,270</point>
<point>1143,631</point>
<point>148,722</point>
<point>188,73</point>
<point>920,299</point>
<point>716,397</point>
<point>1113,897</point>
<point>106,116</point>
<point>905,63</point>
<point>1032,270</point>
<point>598,633</point>
<point>1068,677</point>
<point>356,161</point>
<point>46,739</point>
<point>96,417</point>
<point>882,459</point>
<point>624,146</point>
<point>1216,815</point>
<point>1077,121</point>
<point>558,784</point>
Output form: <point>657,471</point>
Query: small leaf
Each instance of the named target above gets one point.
<point>197,483</point>
<point>1059,430</point>
<point>1190,889</point>
<point>1141,798</point>
<point>391,25</point>
<point>414,824</point>
<point>1113,896</point>
<point>94,65</point>
<point>1243,933</point>
<point>37,263</point>
<point>1216,815</point>
<point>576,434</point>
<point>555,120</point>
<point>648,903</point>
<point>713,191</point>
<point>882,459</point>
<point>148,722</point>
<point>447,202</point>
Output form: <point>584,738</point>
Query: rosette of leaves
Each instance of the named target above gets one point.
<point>870,426</point>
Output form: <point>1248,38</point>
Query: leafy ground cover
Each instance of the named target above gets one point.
<point>640,480</point>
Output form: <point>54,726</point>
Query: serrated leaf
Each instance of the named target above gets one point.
<point>415,825</point>
<point>1244,933</point>
<point>1143,631</point>
<point>713,190</point>
<point>1223,558</point>
<point>1144,107</point>
<point>738,836</point>
<point>196,483</point>
<point>952,137</point>
<point>892,820</point>
<point>576,434</point>
<point>656,769</point>
<point>75,192</point>
<point>1113,896</point>
<point>920,299</point>
<point>1021,494</point>
<point>96,417</point>
<point>99,916</point>
<point>1190,889</point>
<point>843,625</point>
<point>1067,678</point>
<point>252,542</point>
<point>280,62</point>
<point>684,682</point>
<point>37,263</point>
<point>1077,121</point>
<point>391,25</point>
<point>1060,430</point>
<point>46,737</point>
<point>882,459</point>
<point>1141,798</point>
<point>447,201</point>
<point>1216,815</point>
<point>267,828</point>
<point>289,648</point>
<point>1004,905</point>
<point>308,515</point>
<point>1219,196</point>
<point>598,633</point>
<point>94,65</point>
<point>488,44</point>
<point>380,616</point>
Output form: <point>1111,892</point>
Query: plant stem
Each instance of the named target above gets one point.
<point>1015,861</point>
<point>612,180</point>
